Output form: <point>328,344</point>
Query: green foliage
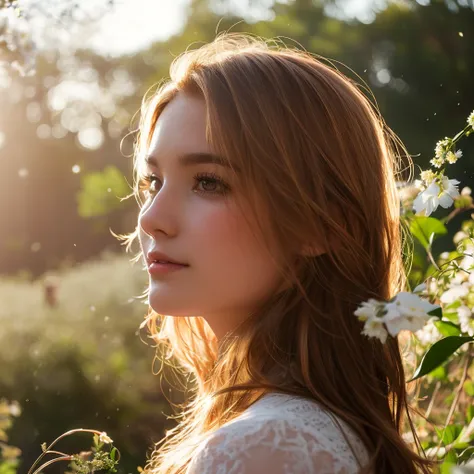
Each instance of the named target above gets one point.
<point>447,328</point>
<point>89,367</point>
<point>9,455</point>
<point>425,229</point>
<point>438,353</point>
<point>101,192</point>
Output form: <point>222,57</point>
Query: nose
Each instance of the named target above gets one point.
<point>159,214</point>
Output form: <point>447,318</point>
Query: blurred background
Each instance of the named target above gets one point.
<point>72,76</point>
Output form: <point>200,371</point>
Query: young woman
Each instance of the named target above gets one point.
<point>269,212</point>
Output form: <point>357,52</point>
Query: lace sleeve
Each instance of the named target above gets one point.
<point>271,446</point>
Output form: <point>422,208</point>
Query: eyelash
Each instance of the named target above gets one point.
<point>147,180</point>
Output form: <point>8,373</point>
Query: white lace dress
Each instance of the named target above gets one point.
<point>280,434</point>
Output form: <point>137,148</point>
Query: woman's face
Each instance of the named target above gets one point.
<point>191,215</point>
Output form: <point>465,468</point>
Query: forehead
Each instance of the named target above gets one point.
<point>181,127</point>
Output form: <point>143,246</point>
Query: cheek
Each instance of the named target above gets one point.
<point>233,256</point>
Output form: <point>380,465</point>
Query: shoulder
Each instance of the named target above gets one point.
<point>278,434</point>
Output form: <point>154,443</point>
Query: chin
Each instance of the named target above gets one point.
<point>168,308</point>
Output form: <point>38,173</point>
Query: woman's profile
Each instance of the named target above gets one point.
<point>268,212</point>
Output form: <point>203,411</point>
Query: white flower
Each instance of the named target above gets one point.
<point>420,288</point>
<point>465,319</point>
<point>437,162</point>
<point>470,119</point>
<point>453,157</point>
<point>460,277</point>
<point>103,438</point>
<point>432,286</point>
<point>454,294</point>
<point>419,184</point>
<point>15,409</point>
<point>467,468</point>
<point>407,312</point>
<point>427,201</point>
<point>368,310</point>
<point>427,176</point>
<point>429,334</point>
<point>467,263</point>
<point>466,191</point>
<point>458,236</point>
<point>442,148</point>
<point>450,191</point>
<point>374,328</point>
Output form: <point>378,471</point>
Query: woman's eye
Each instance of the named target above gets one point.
<point>210,184</point>
<point>206,183</point>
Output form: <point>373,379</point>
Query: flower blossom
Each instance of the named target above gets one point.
<point>466,319</point>
<point>103,438</point>
<point>442,148</point>
<point>375,328</point>
<point>453,157</point>
<point>428,334</point>
<point>437,162</point>
<point>432,197</point>
<point>406,311</point>
<point>427,176</point>
<point>470,120</point>
<point>454,293</point>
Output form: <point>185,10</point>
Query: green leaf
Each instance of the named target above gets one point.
<point>469,413</point>
<point>112,453</point>
<point>425,229</point>
<point>461,445</point>
<point>438,312</point>
<point>439,373</point>
<point>467,454</point>
<point>450,433</point>
<point>453,305</point>
<point>469,388</point>
<point>453,317</point>
<point>447,328</point>
<point>438,353</point>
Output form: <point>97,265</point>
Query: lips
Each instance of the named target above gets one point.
<point>155,256</point>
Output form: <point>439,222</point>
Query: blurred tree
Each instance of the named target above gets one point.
<point>417,59</point>
<point>101,192</point>
<point>17,46</point>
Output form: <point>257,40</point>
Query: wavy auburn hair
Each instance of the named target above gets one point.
<point>319,156</point>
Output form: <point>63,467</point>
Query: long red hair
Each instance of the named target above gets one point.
<point>314,148</point>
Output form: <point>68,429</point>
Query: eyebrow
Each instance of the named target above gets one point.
<point>189,159</point>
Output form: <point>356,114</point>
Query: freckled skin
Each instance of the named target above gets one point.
<point>229,271</point>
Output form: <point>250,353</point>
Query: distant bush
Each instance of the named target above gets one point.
<point>82,363</point>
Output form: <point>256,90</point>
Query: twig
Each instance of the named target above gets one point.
<point>456,398</point>
<point>55,441</point>
<point>455,212</point>
<point>62,458</point>
<point>433,396</point>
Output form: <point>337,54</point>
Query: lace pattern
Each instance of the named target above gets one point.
<point>280,434</point>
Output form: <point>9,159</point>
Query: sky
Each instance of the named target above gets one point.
<point>131,25</point>
<point>134,24</point>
